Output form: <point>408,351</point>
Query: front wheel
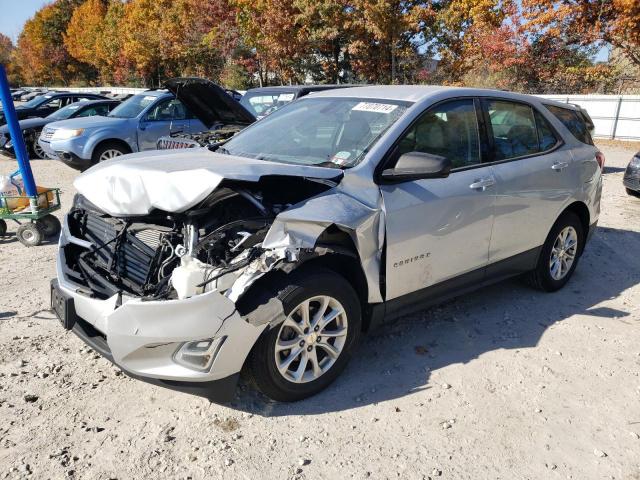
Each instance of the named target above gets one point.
<point>559,255</point>
<point>108,151</point>
<point>38,152</point>
<point>633,193</point>
<point>313,341</point>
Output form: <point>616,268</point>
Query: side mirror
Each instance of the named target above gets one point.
<point>416,166</point>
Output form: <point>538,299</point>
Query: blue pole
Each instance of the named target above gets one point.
<point>16,134</point>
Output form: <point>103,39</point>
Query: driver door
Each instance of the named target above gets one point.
<point>165,117</point>
<point>439,229</point>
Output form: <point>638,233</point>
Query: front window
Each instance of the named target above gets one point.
<point>262,104</point>
<point>133,107</point>
<point>331,132</point>
<point>449,130</point>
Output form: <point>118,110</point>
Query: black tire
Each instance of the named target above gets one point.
<point>36,150</point>
<point>50,226</point>
<point>633,193</point>
<point>30,234</point>
<point>541,278</point>
<point>292,291</point>
<point>105,147</point>
<point>3,228</point>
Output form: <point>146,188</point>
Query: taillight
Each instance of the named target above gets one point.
<point>600,159</point>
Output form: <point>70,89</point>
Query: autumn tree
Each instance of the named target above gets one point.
<point>42,55</point>
<point>584,22</point>
<point>6,48</point>
<point>84,31</point>
<point>388,35</point>
<point>328,27</point>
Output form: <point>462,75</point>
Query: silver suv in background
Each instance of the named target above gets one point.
<point>134,126</point>
<point>342,210</point>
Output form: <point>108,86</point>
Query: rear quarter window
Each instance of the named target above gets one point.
<point>574,121</point>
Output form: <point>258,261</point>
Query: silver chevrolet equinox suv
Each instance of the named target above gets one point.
<point>272,252</point>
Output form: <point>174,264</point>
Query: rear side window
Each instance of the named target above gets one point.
<point>546,137</point>
<point>574,122</point>
<point>513,128</point>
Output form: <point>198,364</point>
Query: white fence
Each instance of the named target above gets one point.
<point>614,116</point>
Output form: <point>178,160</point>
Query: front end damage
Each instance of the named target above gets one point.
<point>158,292</point>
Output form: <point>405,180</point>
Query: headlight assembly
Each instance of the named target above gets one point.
<point>65,134</point>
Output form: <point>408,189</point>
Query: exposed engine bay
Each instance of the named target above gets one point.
<point>200,139</point>
<point>177,255</point>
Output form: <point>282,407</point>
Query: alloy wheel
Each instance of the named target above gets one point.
<point>311,339</point>
<point>111,153</point>
<point>37,149</point>
<point>563,253</point>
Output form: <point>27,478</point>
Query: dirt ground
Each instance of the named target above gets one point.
<point>505,383</point>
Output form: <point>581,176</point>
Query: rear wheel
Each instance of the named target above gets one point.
<point>3,228</point>
<point>314,339</point>
<point>632,192</point>
<point>559,255</point>
<point>30,234</point>
<point>108,151</point>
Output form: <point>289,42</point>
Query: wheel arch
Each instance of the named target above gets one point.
<point>582,211</point>
<point>335,251</point>
<point>115,141</point>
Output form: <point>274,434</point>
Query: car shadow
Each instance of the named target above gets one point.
<point>397,360</point>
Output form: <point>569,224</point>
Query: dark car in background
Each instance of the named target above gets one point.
<point>631,178</point>
<point>46,104</point>
<point>265,100</point>
<point>257,103</point>
<point>32,127</point>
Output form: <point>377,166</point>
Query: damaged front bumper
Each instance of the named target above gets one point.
<point>197,345</point>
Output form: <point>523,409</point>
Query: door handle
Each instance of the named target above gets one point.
<point>559,166</point>
<point>482,184</point>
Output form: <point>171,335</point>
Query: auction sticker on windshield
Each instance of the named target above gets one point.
<point>374,107</point>
<point>285,97</point>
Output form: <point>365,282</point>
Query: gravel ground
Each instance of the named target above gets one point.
<point>503,383</point>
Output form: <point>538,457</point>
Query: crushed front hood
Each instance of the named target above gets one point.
<point>174,181</point>
<point>209,102</point>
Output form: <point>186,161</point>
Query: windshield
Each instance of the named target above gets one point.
<point>264,103</point>
<point>331,132</point>
<point>64,113</point>
<point>133,107</point>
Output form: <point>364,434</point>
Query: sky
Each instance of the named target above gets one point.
<point>15,13</point>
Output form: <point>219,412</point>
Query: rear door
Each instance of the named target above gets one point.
<point>165,117</point>
<point>535,176</point>
<point>439,229</point>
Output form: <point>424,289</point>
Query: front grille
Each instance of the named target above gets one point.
<point>169,143</point>
<point>47,133</point>
<point>125,255</point>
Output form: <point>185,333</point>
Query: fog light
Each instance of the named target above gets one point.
<point>200,354</point>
